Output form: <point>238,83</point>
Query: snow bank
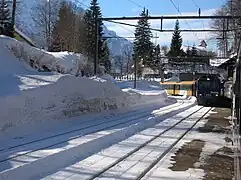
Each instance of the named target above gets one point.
<point>147,92</point>
<point>63,62</point>
<point>143,87</point>
<point>28,96</point>
<point>68,97</point>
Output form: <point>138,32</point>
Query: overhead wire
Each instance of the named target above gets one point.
<point>181,15</point>
<point>194,2</point>
<point>133,2</point>
<point>82,3</point>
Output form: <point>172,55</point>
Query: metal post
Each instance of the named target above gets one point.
<point>135,73</point>
<point>13,13</point>
<point>49,24</point>
<point>96,44</point>
<point>226,38</point>
<point>161,24</point>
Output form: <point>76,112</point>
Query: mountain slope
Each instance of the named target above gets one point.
<point>118,46</point>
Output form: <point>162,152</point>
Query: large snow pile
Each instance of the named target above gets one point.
<point>146,92</point>
<point>69,96</point>
<point>104,78</point>
<point>16,75</point>
<point>142,86</point>
<point>63,62</point>
<point>28,96</point>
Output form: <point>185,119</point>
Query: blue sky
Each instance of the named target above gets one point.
<point>128,8</point>
<point>112,8</point>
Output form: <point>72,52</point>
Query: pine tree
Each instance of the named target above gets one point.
<point>56,45</point>
<point>80,29</point>
<point>91,16</point>
<point>156,57</point>
<point>189,52</point>
<point>194,51</point>
<point>4,13</point>
<point>105,58</point>
<point>176,44</point>
<point>143,47</point>
<point>64,29</point>
<point>6,27</point>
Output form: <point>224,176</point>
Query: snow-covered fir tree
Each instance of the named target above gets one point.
<point>105,58</point>
<point>189,52</point>
<point>156,57</point>
<point>6,27</point>
<point>176,43</point>
<point>194,51</point>
<point>5,16</point>
<point>56,44</point>
<point>143,47</point>
<point>91,16</point>
<point>63,33</point>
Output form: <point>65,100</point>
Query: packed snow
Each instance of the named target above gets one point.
<point>213,142</point>
<point>59,151</point>
<point>36,96</point>
<point>63,62</point>
<point>93,164</point>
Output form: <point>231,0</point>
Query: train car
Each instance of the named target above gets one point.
<point>187,88</point>
<point>180,88</point>
<point>208,89</point>
<point>172,88</point>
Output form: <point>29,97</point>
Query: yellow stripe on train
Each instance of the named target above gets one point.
<point>180,88</point>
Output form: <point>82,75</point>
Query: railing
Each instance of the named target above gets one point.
<point>236,116</point>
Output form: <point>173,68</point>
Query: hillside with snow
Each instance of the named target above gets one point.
<point>117,45</point>
<point>36,96</point>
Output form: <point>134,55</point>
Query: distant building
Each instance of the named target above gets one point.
<point>203,44</point>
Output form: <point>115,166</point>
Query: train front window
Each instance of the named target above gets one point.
<point>208,85</point>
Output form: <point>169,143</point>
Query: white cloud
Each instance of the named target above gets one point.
<point>189,38</point>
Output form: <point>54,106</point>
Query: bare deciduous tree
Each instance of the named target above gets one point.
<point>44,15</point>
<point>231,7</point>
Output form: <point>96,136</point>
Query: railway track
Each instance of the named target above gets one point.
<point>21,150</point>
<point>103,173</point>
<point>94,121</point>
<point>130,117</point>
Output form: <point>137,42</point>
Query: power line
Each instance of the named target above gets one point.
<point>199,9</point>
<point>166,30</point>
<point>133,2</point>
<point>195,3</point>
<point>181,15</point>
<point>82,3</point>
<point>126,29</point>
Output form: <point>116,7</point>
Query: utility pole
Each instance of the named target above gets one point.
<point>135,72</point>
<point>49,23</point>
<point>96,43</point>
<point>13,14</point>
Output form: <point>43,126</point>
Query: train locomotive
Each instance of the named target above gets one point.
<point>208,89</point>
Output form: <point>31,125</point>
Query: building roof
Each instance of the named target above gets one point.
<point>229,62</point>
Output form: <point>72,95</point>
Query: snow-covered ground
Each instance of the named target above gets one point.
<point>37,97</point>
<point>52,150</point>
<point>213,142</point>
<point>134,164</point>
